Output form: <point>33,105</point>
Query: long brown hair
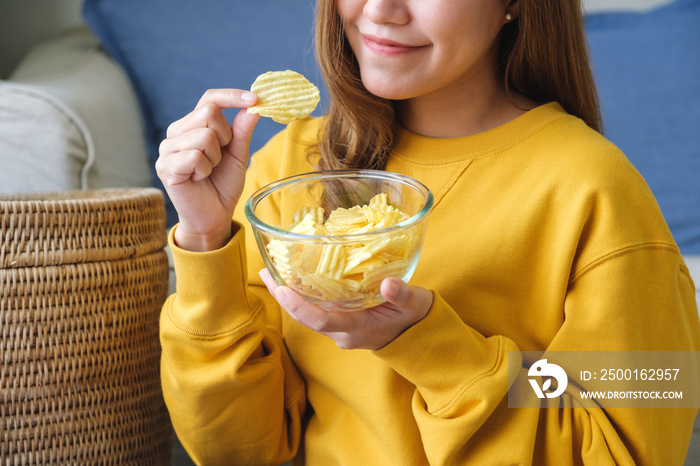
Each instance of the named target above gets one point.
<point>543,54</point>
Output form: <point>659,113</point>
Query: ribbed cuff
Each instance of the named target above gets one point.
<point>212,297</point>
<point>443,356</point>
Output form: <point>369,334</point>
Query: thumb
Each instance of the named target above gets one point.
<point>400,294</point>
<point>242,127</point>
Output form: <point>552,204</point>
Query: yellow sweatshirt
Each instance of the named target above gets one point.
<point>543,236</point>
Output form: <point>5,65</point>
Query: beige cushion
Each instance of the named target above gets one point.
<point>69,119</point>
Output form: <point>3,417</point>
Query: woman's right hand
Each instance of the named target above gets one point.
<point>202,164</point>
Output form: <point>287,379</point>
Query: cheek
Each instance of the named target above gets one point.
<point>349,9</point>
<point>463,22</point>
<point>466,40</point>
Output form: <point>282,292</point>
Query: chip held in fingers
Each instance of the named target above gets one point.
<point>284,96</point>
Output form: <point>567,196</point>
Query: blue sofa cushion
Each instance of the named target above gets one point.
<point>174,50</point>
<point>647,68</point>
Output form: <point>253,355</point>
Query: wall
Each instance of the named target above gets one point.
<point>26,22</point>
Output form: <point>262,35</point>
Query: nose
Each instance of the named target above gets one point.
<point>387,11</point>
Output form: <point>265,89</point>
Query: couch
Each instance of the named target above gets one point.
<point>88,107</point>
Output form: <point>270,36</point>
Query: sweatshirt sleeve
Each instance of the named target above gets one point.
<point>461,401</point>
<point>233,394</point>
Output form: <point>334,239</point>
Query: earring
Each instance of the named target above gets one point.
<point>509,16</point>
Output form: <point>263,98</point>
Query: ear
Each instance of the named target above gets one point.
<point>512,9</point>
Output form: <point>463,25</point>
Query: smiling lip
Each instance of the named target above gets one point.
<point>383,46</point>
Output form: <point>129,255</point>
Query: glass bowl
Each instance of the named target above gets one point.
<point>333,236</point>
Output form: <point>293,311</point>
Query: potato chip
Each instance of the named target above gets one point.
<point>373,278</point>
<point>281,253</point>
<point>330,288</point>
<point>307,226</point>
<point>358,270</point>
<point>332,261</point>
<point>315,212</point>
<point>333,271</point>
<point>284,96</point>
<point>356,257</point>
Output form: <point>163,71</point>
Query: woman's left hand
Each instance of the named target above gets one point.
<point>370,328</point>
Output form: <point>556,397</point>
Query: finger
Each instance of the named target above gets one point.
<point>268,280</point>
<point>228,98</point>
<point>315,318</point>
<point>203,140</point>
<point>288,298</point>
<point>184,166</point>
<point>242,127</point>
<point>329,323</point>
<point>400,294</point>
<point>206,116</point>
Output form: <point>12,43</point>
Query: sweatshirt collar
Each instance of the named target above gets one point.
<point>433,151</point>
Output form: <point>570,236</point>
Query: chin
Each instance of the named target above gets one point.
<point>385,88</point>
<point>388,92</point>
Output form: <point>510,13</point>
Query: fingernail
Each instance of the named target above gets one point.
<point>391,289</point>
<point>248,97</point>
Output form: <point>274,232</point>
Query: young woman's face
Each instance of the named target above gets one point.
<point>413,48</point>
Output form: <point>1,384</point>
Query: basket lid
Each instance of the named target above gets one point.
<point>69,227</point>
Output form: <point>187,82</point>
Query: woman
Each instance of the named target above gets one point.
<point>543,237</point>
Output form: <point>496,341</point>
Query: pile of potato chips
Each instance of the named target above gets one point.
<point>342,270</point>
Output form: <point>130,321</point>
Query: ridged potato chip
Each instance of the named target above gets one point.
<point>284,96</point>
<point>334,271</point>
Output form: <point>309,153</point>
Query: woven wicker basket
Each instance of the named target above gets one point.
<point>83,276</point>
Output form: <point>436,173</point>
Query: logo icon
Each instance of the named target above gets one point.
<point>544,369</point>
